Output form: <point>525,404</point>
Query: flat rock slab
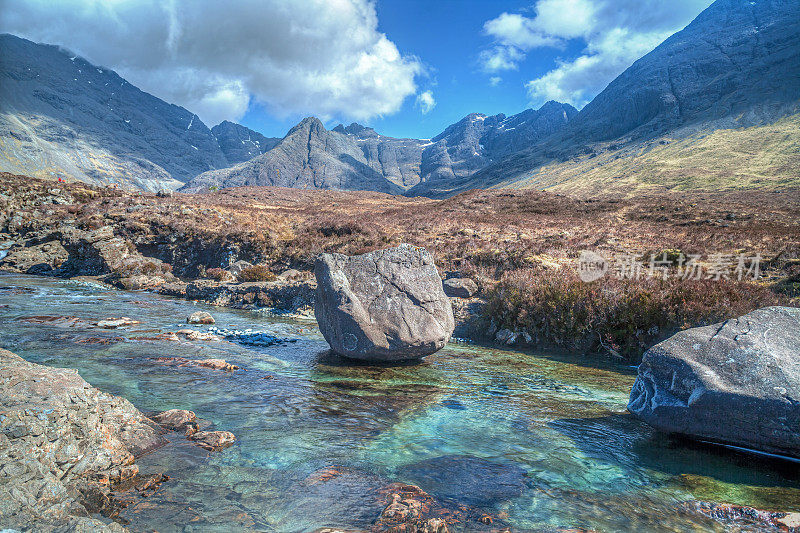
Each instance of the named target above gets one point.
<point>736,382</point>
<point>387,305</point>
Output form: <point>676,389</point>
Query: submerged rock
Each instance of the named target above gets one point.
<point>406,512</point>
<point>213,440</point>
<point>200,317</point>
<point>399,507</point>
<point>113,323</point>
<point>56,321</point>
<point>468,479</point>
<point>192,335</point>
<point>387,305</point>
<point>249,337</point>
<point>188,423</point>
<point>738,517</point>
<point>178,420</point>
<point>736,382</point>
<point>214,364</point>
<point>217,364</point>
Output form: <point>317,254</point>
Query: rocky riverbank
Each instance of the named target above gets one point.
<point>64,446</point>
<point>68,450</point>
<point>508,259</point>
<point>100,256</point>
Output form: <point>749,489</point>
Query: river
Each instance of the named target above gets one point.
<point>543,442</point>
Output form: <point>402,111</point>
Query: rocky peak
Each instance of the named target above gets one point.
<point>312,122</point>
<point>240,143</point>
<point>356,129</point>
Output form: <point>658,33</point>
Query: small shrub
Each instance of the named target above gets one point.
<point>216,273</point>
<point>617,316</point>
<point>256,273</point>
<point>341,229</point>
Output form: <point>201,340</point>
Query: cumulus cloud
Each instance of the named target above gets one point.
<point>614,33</point>
<point>494,81</point>
<point>324,57</point>
<point>503,57</point>
<point>426,102</point>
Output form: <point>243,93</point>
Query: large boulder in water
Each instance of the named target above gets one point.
<point>387,305</point>
<point>736,382</point>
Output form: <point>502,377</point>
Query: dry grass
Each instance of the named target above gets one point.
<point>754,158</point>
<point>513,242</point>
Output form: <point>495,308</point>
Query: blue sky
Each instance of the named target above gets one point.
<point>447,36</point>
<point>408,68</point>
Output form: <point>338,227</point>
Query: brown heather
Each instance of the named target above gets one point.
<point>521,246</point>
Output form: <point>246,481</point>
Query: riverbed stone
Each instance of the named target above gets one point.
<point>192,335</point>
<point>178,420</point>
<point>213,440</point>
<point>736,382</point>
<point>468,479</point>
<point>386,305</point>
<point>200,317</point>
<point>114,323</point>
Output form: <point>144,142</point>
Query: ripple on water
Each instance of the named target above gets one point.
<point>544,440</point>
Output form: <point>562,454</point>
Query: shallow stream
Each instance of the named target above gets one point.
<point>540,442</point>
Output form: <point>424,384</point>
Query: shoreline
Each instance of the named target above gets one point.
<point>517,249</point>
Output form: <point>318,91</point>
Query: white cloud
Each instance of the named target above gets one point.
<point>565,18</point>
<point>518,31</point>
<point>324,57</point>
<point>501,58</point>
<point>494,81</point>
<point>579,80</point>
<point>614,33</point>
<point>426,102</point>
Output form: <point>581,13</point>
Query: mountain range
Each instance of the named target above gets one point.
<point>357,157</point>
<point>723,92</point>
<point>714,106</point>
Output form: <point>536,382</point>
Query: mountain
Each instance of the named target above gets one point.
<point>61,116</point>
<point>308,157</point>
<point>239,143</point>
<point>356,157</point>
<point>716,105</point>
<point>735,67</point>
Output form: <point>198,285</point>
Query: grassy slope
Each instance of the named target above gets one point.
<point>760,157</point>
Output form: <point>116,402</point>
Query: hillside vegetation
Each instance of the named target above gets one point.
<point>758,157</point>
<point>521,247</point>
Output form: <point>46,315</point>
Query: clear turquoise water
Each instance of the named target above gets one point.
<point>543,441</point>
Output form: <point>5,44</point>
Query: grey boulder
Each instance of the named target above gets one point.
<point>736,382</point>
<point>460,287</point>
<point>387,305</point>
